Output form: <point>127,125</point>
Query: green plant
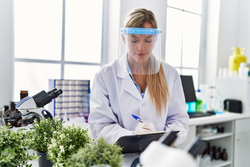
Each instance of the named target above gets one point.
<point>98,152</point>
<point>42,132</point>
<point>13,150</point>
<point>65,143</point>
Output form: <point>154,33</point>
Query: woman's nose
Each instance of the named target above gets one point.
<point>141,46</point>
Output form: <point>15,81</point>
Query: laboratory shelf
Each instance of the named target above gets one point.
<point>217,136</point>
<point>218,163</point>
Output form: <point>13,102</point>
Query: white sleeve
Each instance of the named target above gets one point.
<point>103,122</point>
<point>177,119</point>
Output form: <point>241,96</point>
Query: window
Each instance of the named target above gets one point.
<point>183,36</point>
<point>59,39</point>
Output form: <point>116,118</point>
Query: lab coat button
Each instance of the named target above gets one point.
<point>143,105</point>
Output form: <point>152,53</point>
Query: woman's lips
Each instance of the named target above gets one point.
<point>141,54</point>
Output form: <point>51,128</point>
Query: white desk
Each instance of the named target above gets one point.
<point>237,128</point>
<point>217,118</point>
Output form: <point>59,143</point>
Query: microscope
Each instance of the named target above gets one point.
<point>31,108</point>
<point>161,154</point>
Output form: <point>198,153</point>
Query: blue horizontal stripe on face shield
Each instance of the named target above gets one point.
<point>151,31</point>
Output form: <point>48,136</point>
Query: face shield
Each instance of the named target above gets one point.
<point>142,46</point>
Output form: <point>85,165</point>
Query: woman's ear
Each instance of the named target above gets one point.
<point>123,38</point>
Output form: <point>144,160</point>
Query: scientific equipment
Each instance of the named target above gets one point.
<point>15,118</point>
<point>199,103</point>
<point>233,105</point>
<point>204,96</point>
<point>224,155</point>
<point>6,108</point>
<point>159,154</point>
<point>12,115</point>
<point>74,103</point>
<point>23,94</point>
<point>218,102</point>
<point>211,95</point>
<point>2,122</point>
<point>243,70</point>
<point>227,73</point>
<point>11,109</point>
<point>32,107</point>
<point>237,58</point>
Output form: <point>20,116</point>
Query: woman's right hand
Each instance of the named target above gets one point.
<point>144,128</point>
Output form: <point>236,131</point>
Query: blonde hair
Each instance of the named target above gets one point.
<point>156,83</point>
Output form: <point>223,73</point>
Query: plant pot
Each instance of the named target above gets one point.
<point>43,161</point>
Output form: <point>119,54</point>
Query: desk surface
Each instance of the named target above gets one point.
<point>217,118</point>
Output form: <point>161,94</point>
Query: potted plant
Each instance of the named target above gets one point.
<point>65,143</point>
<point>13,148</point>
<point>40,138</point>
<point>99,153</point>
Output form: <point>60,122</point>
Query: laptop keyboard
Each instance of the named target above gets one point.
<point>199,114</point>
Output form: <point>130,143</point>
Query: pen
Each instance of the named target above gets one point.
<point>137,118</point>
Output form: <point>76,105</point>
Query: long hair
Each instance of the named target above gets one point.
<point>156,83</point>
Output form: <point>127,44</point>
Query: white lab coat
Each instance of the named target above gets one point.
<point>114,98</point>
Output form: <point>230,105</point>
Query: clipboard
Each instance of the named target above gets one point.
<point>138,143</point>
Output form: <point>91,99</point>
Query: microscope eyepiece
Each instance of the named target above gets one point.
<point>42,98</point>
<point>53,90</point>
<point>55,94</point>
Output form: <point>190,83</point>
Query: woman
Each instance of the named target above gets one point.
<point>132,85</point>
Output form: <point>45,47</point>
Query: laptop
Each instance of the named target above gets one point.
<point>189,93</point>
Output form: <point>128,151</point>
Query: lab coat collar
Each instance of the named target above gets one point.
<point>129,86</point>
<point>122,69</point>
<point>146,95</point>
<point>128,83</point>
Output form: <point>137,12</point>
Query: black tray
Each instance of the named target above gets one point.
<point>138,143</point>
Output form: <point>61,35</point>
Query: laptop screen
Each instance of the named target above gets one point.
<point>188,88</point>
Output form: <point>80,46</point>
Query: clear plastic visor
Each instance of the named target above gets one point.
<point>142,47</point>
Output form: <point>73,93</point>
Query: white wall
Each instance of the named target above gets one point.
<point>228,21</point>
<point>229,30</point>
<point>244,26</point>
<point>6,43</point>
